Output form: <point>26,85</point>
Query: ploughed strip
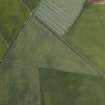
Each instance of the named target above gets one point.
<point>59,15</point>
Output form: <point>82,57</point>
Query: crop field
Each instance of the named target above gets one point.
<point>36,47</point>
<point>12,16</point>
<point>46,50</point>
<point>31,3</point>
<point>18,86</point>
<point>63,88</point>
<point>59,22</point>
<point>41,69</point>
<point>88,34</point>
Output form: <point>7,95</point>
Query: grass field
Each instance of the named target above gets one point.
<point>88,34</point>
<point>63,88</point>
<point>31,3</point>
<point>12,16</point>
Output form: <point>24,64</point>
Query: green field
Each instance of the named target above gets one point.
<point>36,47</point>
<point>40,69</point>
<point>63,88</point>
<point>36,44</point>
<point>31,3</point>
<point>88,34</point>
<point>12,16</point>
